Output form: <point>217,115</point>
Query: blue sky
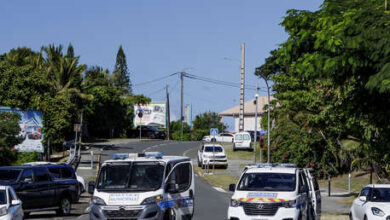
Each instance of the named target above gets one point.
<point>159,37</point>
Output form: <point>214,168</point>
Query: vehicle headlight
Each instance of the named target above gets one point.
<point>98,201</point>
<point>234,203</point>
<point>152,200</point>
<point>289,204</point>
<point>377,212</point>
<point>3,211</point>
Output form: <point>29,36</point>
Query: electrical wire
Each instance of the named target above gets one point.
<point>154,80</point>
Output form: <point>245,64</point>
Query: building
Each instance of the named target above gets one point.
<point>249,114</point>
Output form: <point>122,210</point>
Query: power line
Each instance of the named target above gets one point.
<point>154,80</point>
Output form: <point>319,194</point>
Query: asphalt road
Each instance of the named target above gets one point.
<point>209,202</point>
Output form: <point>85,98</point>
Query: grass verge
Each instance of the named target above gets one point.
<point>358,181</point>
<point>334,217</point>
<point>218,180</point>
<point>241,154</point>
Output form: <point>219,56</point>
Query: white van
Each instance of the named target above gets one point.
<point>274,192</point>
<point>143,186</point>
<point>242,141</point>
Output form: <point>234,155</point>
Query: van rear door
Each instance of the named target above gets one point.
<point>315,194</point>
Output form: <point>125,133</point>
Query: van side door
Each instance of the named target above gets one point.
<point>180,190</point>
<point>303,196</point>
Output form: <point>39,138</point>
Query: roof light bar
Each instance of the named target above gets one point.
<point>120,156</point>
<point>275,165</point>
<point>157,155</point>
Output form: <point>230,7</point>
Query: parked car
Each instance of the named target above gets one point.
<point>35,136</point>
<point>39,190</point>
<point>150,132</point>
<point>373,202</point>
<point>10,204</point>
<point>242,141</point>
<point>212,155</point>
<point>222,137</point>
<point>62,171</point>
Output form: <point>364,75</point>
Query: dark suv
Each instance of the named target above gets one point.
<point>39,189</point>
<point>150,132</point>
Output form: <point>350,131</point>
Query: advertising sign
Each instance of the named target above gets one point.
<point>30,130</point>
<point>150,114</point>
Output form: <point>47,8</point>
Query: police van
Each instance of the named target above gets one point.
<point>146,186</point>
<point>275,192</point>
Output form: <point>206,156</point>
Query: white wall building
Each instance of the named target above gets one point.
<point>249,114</point>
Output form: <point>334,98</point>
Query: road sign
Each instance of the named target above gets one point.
<point>213,131</point>
<point>77,127</point>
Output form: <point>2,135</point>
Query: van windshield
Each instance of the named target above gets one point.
<point>267,182</point>
<point>10,175</point>
<point>210,149</point>
<point>139,176</point>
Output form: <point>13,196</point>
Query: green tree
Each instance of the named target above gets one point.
<point>121,73</point>
<point>203,122</point>
<point>9,131</point>
<point>331,73</point>
<point>176,131</point>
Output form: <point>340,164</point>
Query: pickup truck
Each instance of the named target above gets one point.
<point>39,190</point>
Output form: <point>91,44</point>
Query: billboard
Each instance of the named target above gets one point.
<point>153,114</point>
<point>30,130</point>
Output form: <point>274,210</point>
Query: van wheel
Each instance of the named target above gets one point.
<point>65,206</point>
<point>350,216</point>
<point>234,147</point>
<point>170,215</point>
<point>199,165</point>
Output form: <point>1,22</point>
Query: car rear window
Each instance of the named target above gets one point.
<point>210,149</point>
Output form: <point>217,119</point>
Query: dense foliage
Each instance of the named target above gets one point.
<point>9,130</point>
<point>62,88</point>
<point>331,78</point>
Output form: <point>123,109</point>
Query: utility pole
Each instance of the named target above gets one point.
<point>168,116</point>
<point>255,135</point>
<point>81,125</point>
<point>269,122</point>
<point>242,88</point>
<point>181,102</point>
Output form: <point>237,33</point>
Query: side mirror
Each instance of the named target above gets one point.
<point>363,198</point>
<point>304,189</point>
<point>172,188</point>
<point>27,180</point>
<point>16,202</point>
<point>232,187</point>
<point>91,187</point>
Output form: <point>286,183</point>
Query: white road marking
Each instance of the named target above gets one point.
<point>149,148</point>
<point>219,189</point>
<point>186,152</point>
<point>84,168</point>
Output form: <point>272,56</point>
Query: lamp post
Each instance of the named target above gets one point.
<point>266,78</point>
<point>255,135</point>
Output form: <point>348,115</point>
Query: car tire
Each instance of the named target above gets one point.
<point>199,163</point>
<point>234,147</point>
<point>170,215</point>
<point>365,217</point>
<point>350,216</point>
<point>65,206</point>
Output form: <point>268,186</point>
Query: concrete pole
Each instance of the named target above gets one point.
<point>269,122</point>
<point>242,89</point>
<point>255,135</point>
<point>168,116</point>
<point>181,102</point>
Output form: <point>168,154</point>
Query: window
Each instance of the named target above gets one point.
<point>3,197</point>
<point>365,192</point>
<point>246,137</point>
<point>238,137</point>
<point>41,175</point>
<point>66,173</point>
<point>13,193</point>
<point>10,197</point>
<point>213,149</point>
<point>55,172</point>
<point>181,175</point>
<point>27,175</point>
<point>273,182</point>
<point>9,175</point>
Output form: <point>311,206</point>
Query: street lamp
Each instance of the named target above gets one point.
<point>266,78</point>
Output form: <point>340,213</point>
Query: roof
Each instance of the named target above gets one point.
<point>272,170</point>
<point>212,145</point>
<point>148,159</point>
<point>378,185</point>
<point>249,107</point>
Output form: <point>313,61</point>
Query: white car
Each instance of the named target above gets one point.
<point>275,192</point>
<point>242,141</point>
<point>10,204</point>
<point>373,203</point>
<point>222,137</point>
<point>212,155</point>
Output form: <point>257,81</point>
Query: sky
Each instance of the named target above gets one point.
<point>160,37</point>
